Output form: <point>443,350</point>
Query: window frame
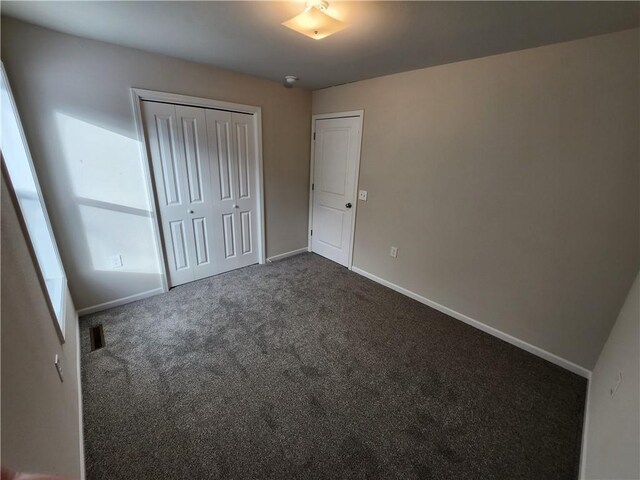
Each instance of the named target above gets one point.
<point>59,322</point>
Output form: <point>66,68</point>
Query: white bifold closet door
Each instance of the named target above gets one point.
<point>234,184</point>
<point>205,173</point>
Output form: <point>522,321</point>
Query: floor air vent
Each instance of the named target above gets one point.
<point>97,337</point>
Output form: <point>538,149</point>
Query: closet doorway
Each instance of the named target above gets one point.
<point>206,172</point>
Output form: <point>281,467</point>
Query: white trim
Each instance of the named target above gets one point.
<point>262,249</point>
<point>287,254</point>
<point>155,96</point>
<point>137,96</point>
<point>572,367</point>
<point>311,153</point>
<point>585,425</point>
<point>325,116</point>
<point>351,113</point>
<point>150,186</point>
<point>59,321</point>
<point>120,301</point>
<point>83,473</point>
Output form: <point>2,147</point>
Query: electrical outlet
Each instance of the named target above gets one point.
<point>614,389</point>
<point>58,366</point>
<point>362,195</point>
<point>394,252</point>
<point>116,261</point>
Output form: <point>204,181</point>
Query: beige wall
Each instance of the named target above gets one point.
<point>508,183</point>
<point>612,436</point>
<point>74,99</point>
<point>510,186</point>
<point>40,414</point>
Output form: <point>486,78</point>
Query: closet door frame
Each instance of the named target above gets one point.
<point>138,95</point>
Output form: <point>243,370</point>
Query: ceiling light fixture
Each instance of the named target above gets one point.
<point>314,22</point>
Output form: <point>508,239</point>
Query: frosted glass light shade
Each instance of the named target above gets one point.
<point>314,24</point>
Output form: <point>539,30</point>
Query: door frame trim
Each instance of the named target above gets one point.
<point>138,95</point>
<point>324,116</point>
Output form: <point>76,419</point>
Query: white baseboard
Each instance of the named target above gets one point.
<point>585,425</point>
<point>572,367</point>
<point>81,420</point>
<point>287,254</point>
<point>120,301</point>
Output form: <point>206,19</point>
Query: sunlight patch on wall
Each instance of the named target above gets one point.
<point>100,163</point>
<point>108,193</point>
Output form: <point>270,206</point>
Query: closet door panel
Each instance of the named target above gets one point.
<point>199,193</point>
<point>233,173</point>
<point>247,175</point>
<point>170,176</point>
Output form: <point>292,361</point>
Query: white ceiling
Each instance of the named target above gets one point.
<point>382,37</point>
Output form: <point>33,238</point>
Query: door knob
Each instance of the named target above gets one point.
<point>348,205</point>
<point>189,211</point>
<point>236,206</point>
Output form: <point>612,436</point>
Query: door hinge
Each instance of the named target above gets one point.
<point>312,232</point>
<point>313,186</point>
<point>314,135</point>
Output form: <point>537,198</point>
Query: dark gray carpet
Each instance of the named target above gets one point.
<point>302,369</point>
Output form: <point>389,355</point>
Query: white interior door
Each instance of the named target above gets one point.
<point>205,171</point>
<point>234,184</point>
<point>335,170</point>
